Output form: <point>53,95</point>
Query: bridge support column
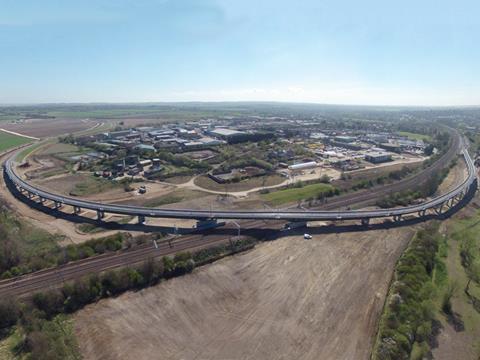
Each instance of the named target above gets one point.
<point>295,224</point>
<point>397,218</point>
<point>29,195</point>
<point>100,215</point>
<point>58,205</point>
<point>76,210</point>
<point>422,213</point>
<point>42,200</point>
<point>450,203</point>
<point>365,221</point>
<point>460,196</point>
<point>141,219</point>
<point>438,210</point>
<point>204,224</point>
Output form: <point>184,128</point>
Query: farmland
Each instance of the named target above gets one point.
<point>288,298</point>
<point>415,136</point>
<point>42,128</point>
<point>8,141</point>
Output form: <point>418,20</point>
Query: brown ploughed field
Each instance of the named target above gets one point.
<point>49,127</point>
<point>286,299</point>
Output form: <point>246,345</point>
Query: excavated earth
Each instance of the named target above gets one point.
<point>286,299</point>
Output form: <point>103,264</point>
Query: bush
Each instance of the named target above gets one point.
<point>325,179</point>
<point>9,313</point>
<point>50,302</point>
<point>182,256</point>
<point>410,312</point>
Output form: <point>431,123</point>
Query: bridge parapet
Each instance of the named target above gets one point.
<point>207,218</point>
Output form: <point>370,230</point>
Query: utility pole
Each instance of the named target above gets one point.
<point>238,233</point>
<point>238,228</point>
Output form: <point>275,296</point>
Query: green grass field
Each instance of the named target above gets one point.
<point>294,194</point>
<point>414,136</point>
<point>175,197</point>
<point>93,185</point>
<point>27,151</point>
<point>8,141</point>
<point>247,184</point>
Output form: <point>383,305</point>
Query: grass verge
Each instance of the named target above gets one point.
<point>94,186</point>
<point>294,194</point>
<point>175,197</point>
<point>415,136</point>
<point>8,141</point>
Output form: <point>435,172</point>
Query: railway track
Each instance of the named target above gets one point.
<point>204,214</point>
<point>54,277</point>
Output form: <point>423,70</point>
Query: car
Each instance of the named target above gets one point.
<point>307,236</point>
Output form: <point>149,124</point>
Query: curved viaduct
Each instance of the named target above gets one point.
<point>437,204</point>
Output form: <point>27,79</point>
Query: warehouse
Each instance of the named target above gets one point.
<point>378,157</point>
<point>303,166</point>
<point>226,134</point>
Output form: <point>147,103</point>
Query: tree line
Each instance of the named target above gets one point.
<point>36,316</point>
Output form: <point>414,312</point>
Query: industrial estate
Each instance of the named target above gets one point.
<point>103,205</point>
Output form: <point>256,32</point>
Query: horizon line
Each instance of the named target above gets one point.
<point>54,103</point>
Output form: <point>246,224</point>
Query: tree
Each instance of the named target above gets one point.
<point>325,179</point>
<point>168,265</point>
<point>8,313</point>
<point>38,345</point>
<point>49,302</point>
<point>428,150</point>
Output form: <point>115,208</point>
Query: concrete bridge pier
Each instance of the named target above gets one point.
<point>76,210</point>
<point>397,218</point>
<point>438,210</point>
<point>295,224</point>
<point>365,221</point>
<point>100,215</point>
<point>450,203</point>
<point>42,200</point>
<point>203,224</point>
<point>57,205</point>
<point>29,195</point>
<point>422,213</point>
<point>141,219</point>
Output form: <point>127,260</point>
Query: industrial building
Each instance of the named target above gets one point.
<point>345,139</point>
<point>226,134</point>
<point>378,157</point>
<point>303,166</point>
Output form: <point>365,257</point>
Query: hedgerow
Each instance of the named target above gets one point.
<point>408,319</point>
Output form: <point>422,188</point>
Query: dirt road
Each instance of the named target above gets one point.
<point>287,299</point>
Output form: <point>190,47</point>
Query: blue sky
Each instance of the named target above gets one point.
<point>326,51</point>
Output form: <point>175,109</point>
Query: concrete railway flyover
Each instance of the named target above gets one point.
<point>209,218</point>
<point>28,284</point>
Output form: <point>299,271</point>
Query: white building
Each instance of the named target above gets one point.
<point>303,166</point>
